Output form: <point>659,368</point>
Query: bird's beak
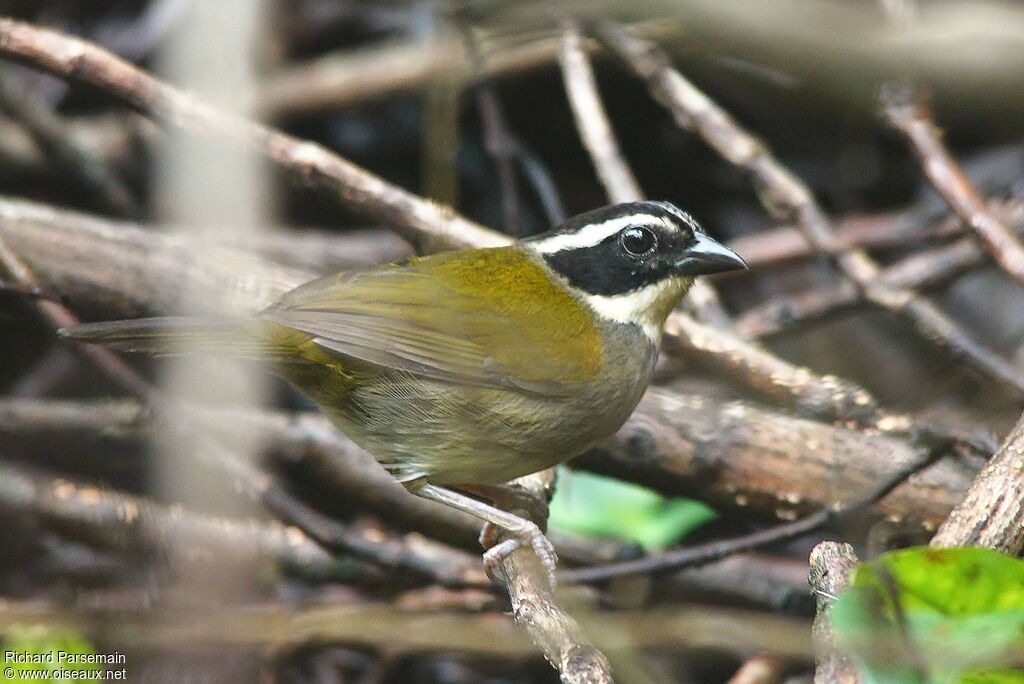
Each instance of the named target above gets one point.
<point>708,256</point>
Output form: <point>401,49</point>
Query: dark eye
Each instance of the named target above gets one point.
<point>638,241</point>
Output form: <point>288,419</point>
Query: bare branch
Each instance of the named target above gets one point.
<point>929,268</point>
<point>910,115</point>
<point>992,513</point>
<point>737,456</point>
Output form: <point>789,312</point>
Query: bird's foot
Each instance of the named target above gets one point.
<point>524,533</point>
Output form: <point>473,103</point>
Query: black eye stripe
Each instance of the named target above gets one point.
<point>607,267</point>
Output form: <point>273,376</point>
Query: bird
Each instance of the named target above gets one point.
<point>463,370</point>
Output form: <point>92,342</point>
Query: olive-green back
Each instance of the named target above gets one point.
<point>491,317</point>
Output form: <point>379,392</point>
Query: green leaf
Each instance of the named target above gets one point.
<point>935,615</point>
<point>598,506</point>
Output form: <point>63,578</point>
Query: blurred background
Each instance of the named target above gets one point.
<point>119,537</point>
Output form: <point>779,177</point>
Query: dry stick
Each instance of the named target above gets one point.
<point>596,132</point>
<point>831,564</point>
<point>429,226</point>
<point>930,268</point>
<point>348,78</point>
<point>784,244</point>
<point>992,513</point>
<point>716,550</point>
<point>913,119</point>
<point>693,110</point>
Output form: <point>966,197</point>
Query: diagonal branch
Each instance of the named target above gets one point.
<point>425,224</point>
<point>912,118</point>
<point>695,111</point>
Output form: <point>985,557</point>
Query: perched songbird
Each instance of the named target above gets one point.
<point>477,366</point>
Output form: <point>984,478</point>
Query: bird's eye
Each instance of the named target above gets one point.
<point>638,241</point>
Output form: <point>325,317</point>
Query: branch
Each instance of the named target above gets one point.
<point>423,223</point>
<point>992,513</point>
<point>929,268</point>
<point>911,117</point>
<point>693,110</point>
<point>737,456</point>
<point>348,78</point>
<point>132,522</point>
<point>831,566</point>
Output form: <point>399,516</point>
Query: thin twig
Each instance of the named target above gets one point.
<point>782,190</point>
<point>591,121</point>
<point>910,115</point>
<point>930,268</point>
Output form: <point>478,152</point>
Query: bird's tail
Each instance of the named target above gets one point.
<point>175,335</point>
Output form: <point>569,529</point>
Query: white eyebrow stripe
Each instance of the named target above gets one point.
<point>594,234</point>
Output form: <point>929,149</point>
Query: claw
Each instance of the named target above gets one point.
<point>530,534</point>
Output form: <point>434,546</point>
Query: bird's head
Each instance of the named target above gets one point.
<point>633,262</point>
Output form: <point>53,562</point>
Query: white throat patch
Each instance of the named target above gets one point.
<point>637,307</point>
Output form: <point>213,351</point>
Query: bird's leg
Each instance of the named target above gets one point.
<point>523,531</point>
